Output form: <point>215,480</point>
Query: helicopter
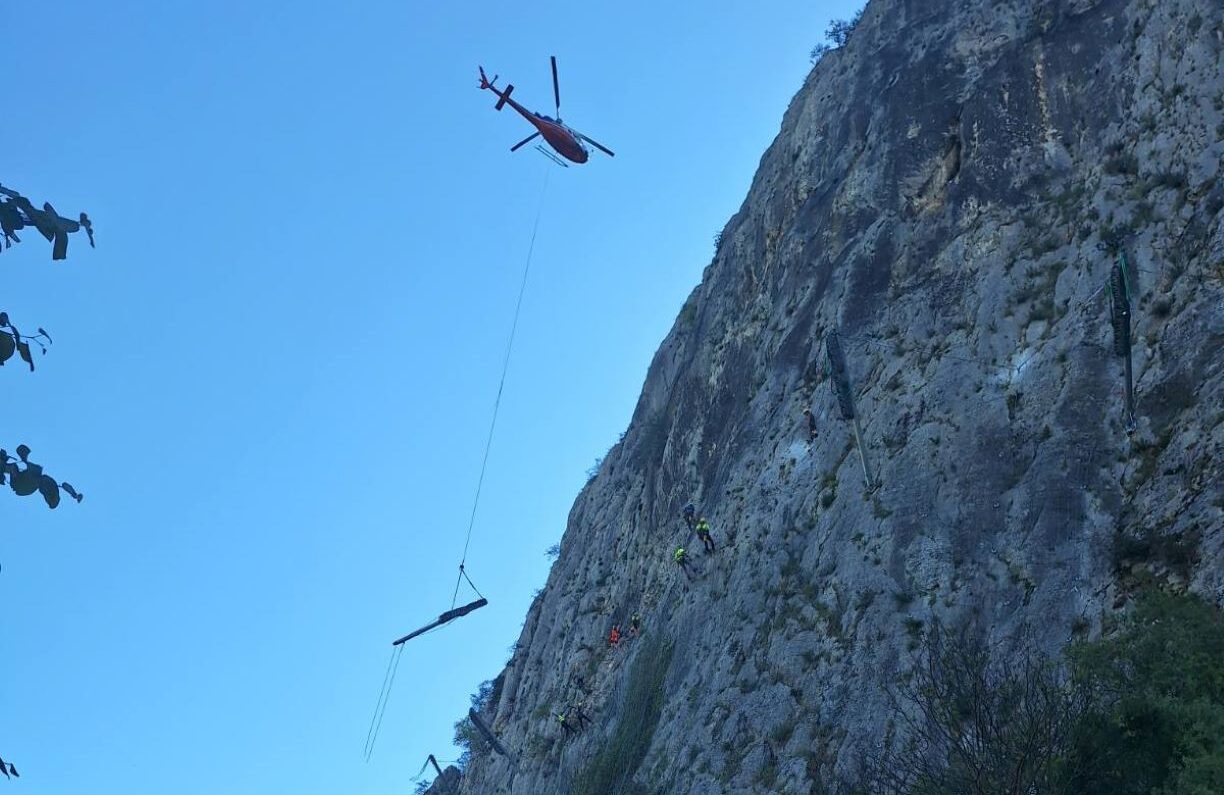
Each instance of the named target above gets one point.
<point>565,140</point>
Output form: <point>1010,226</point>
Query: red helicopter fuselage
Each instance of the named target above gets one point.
<point>561,138</point>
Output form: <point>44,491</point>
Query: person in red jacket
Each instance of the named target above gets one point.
<point>614,636</point>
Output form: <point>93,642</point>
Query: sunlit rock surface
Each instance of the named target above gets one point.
<point>945,190</point>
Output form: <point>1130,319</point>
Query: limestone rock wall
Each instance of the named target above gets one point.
<point>947,191</point>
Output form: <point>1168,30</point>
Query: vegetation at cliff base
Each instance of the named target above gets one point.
<point>1139,710</point>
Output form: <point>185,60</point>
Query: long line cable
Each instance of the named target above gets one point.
<point>384,695</point>
<point>484,463</point>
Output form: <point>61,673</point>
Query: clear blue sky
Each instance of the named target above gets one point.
<point>273,377</point>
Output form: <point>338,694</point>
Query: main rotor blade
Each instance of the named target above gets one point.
<point>556,85</point>
<point>525,140</point>
<point>597,145</point>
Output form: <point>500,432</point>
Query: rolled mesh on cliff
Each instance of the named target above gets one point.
<point>637,707</point>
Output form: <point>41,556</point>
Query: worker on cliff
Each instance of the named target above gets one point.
<point>811,423</point>
<point>565,724</point>
<point>703,532</point>
<point>579,711</point>
<point>614,636</point>
<point>635,623</point>
<point>690,515</point>
<point>681,558</point>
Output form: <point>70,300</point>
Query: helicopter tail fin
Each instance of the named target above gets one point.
<point>485,82</point>
<point>505,95</point>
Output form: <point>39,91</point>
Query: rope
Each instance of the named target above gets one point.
<point>381,695</point>
<point>463,573</point>
<point>384,698</point>
<point>484,463</point>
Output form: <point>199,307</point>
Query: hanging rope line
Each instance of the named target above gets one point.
<point>384,695</point>
<point>484,463</point>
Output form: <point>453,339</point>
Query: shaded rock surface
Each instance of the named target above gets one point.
<point>947,190</point>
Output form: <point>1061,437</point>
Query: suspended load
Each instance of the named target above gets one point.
<point>447,617</point>
<point>840,377</point>
<point>1120,318</point>
<point>1119,309</point>
<point>488,734</point>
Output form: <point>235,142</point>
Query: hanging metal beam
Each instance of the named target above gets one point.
<point>448,616</point>
<point>839,379</point>
<point>488,734</point>
<point>1120,317</point>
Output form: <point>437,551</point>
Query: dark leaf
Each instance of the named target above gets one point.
<point>50,491</point>
<point>23,348</point>
<point>23,452</point>
<point>7,346</point>
<point>43,332</point>
<point>73,493</point>
<point>24,483</point>
<point>4,319</point>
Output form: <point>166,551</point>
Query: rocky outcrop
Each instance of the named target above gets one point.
<point>948,190</point>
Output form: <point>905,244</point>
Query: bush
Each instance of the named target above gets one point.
<point>836,35</point>
<point>469,739</point>
<point>1136,713</point>
<point>1159,723</point>
<point>975,725</point>
<point>840,30</point>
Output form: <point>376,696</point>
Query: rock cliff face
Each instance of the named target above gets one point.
<point>949,191</point>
